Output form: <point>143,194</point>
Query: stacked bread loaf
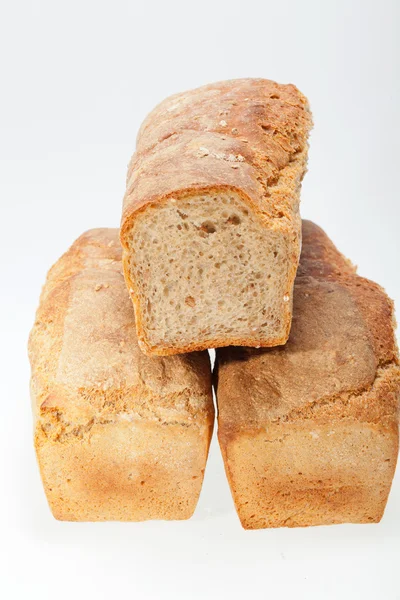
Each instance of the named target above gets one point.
<point>306,376</point>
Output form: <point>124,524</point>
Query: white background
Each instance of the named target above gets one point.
<point>77,78</point>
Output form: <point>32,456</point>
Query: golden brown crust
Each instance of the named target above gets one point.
<point>291,475</point>
<point>265,123</point>
<point>247,136</point>
<point>90,379</point>
<point>337,373</point>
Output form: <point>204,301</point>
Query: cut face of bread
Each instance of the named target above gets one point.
<point>208,270</point>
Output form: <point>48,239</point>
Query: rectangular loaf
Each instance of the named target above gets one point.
<point>118,435</point>
<point>309,431</point>
<point>210,225</point>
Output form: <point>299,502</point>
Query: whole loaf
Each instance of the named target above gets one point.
<point>118,435</point>
<point>309,431</point>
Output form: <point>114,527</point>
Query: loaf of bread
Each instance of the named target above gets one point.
<point>210,225</point>
<point>118,435</point>
<point>309,431</point>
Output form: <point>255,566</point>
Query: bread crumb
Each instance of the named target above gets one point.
<point>314,435</point>
<point>223,123</point>
<point>235,131</point>
<point>286,298</point>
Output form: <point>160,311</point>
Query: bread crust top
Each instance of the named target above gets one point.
<point>340,360</point>
<point>86,363</point>
<point>246,135</point>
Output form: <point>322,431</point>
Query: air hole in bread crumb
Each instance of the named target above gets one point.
<point>190,301</point>
<point>274,96</point>
<point>208,227</point>
<point>234,220</point>
<point>182,214</point>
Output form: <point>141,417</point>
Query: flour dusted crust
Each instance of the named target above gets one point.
<point>309,431</point>
<point>248,137</point>
<point>118,435</point>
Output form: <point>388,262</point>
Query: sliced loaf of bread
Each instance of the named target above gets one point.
<point>211,228</point>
